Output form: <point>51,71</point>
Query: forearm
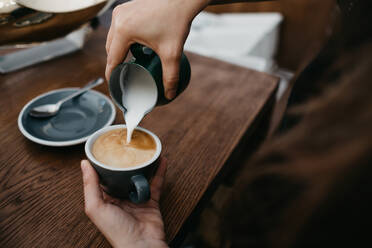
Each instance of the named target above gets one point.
<point>193,7</point>
<point>211,2</point>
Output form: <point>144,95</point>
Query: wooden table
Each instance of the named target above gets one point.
<point>203,132</point>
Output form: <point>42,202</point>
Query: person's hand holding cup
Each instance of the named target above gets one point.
<point>128,214</point>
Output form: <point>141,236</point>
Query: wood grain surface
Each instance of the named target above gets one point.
<point>41,197</point>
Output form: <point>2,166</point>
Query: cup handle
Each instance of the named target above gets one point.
<point>141,193</point>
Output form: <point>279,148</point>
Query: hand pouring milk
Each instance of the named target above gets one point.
<point>139,96</point>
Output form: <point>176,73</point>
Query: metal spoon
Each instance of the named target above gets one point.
<point>48,110</point>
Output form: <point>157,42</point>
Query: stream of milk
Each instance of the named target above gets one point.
<point>139,96</point>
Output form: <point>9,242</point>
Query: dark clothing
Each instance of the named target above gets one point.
<point>354,32</point>
<point>310,186</point>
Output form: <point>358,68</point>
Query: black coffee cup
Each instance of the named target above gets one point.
<point>125,183</point>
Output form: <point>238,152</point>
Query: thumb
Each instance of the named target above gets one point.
<point>92,192</point>
<point>171,68</point>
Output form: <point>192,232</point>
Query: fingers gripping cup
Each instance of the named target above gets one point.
<point>124,169</point>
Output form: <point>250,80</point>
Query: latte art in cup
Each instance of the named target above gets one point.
<point>124,169</point>
<point>112,149</point>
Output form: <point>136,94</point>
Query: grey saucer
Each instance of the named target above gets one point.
<point>75,122</point>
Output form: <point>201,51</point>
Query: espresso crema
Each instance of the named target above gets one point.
<point>111,148</point>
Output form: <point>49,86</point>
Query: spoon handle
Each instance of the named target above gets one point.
<point>87,87</point>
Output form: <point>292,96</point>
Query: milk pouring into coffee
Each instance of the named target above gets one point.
<point>136,86</point>
<point>139,96</point>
